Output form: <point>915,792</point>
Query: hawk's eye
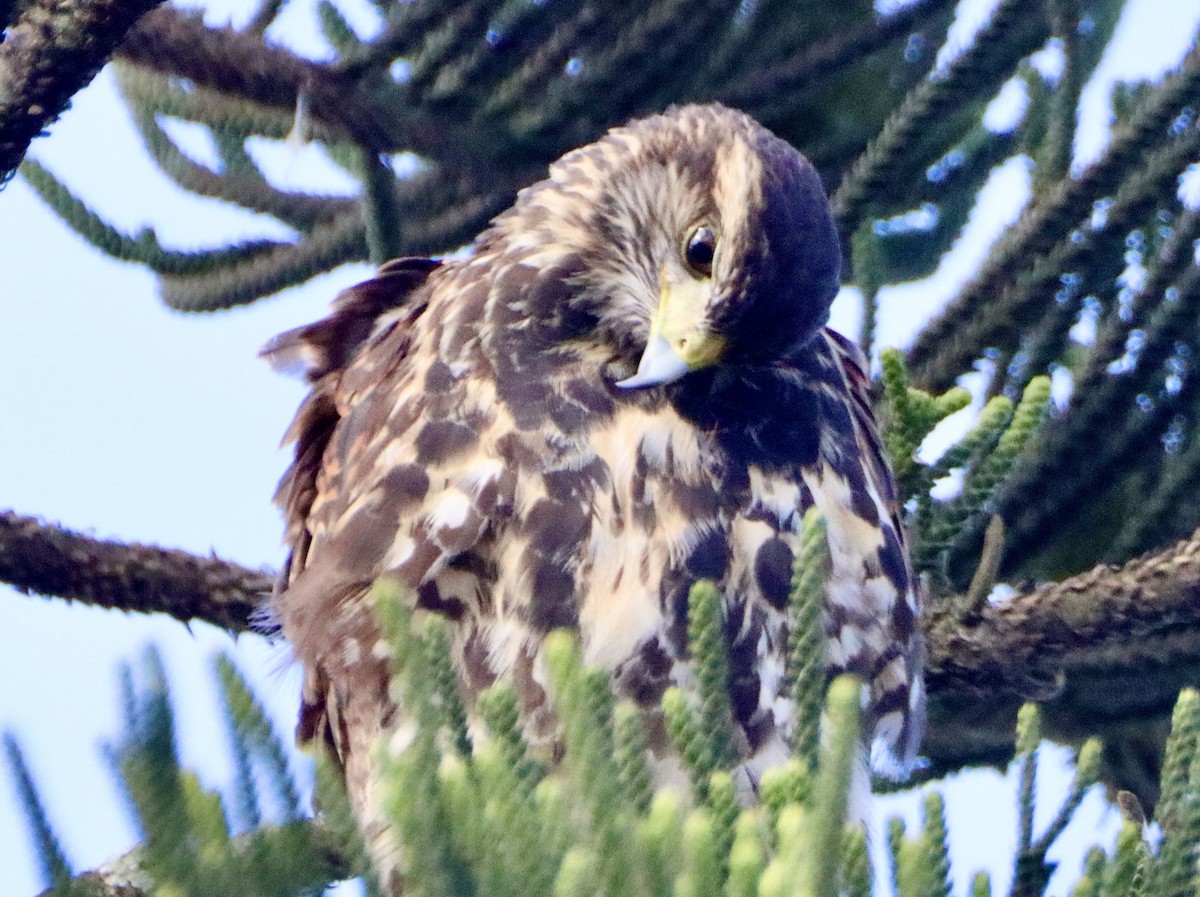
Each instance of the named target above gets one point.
<point>699,250</point>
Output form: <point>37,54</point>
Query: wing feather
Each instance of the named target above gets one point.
<point>873,596</point>
<point>323,352</point>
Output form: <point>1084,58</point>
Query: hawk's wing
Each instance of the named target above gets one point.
<point>371,325</point>
<point>873,597</point>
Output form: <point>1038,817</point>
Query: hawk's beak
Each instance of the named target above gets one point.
<point>679,339</point>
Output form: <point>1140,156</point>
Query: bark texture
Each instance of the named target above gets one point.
<point>53,50</point>
<point>49,560</point>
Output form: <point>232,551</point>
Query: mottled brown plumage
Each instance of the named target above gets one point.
<point>468,432</point>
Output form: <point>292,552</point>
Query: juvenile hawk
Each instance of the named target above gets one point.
<point>625,388</point>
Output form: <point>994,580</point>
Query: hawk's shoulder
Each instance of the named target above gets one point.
<point>853,367</point>
<point>323,352</point>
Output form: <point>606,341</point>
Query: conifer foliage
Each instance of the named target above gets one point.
<point>490,815</point>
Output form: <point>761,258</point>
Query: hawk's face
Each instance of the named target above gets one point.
<point>702,240</point>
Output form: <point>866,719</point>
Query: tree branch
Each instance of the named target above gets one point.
<point>54,50</point>
<point>811,63</point>
<point>1105,652</point>
<point>241,65</point>
<point>48,560</point>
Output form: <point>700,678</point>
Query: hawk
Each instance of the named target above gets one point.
<point>625,387</point>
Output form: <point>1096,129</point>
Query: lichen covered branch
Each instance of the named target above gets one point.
<point>53,49</point>
<point>48,560</point>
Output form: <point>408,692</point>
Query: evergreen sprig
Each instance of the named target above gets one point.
<point>593,823</point>
<point>473,824</point>
<point>55,868</point>
<point>143,247</point>
<point>710,659</point>
<point>189,848</point>
<point>949,533</point>
<point>911,416</point>
<point>804,671</point>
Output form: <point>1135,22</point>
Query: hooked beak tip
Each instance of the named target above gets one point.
<point>659,366</point>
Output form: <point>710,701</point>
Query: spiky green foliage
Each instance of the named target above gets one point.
<point>415,802</point>
<point>474,824</point>
<point>498,708</point>
<point>190,847</point>
<point>332,805</point>
<point>494,822</point>
<point>1124,875</point>
<point>855,880</point>
<point>920,864</point>
<point>1087,774</point>
<point>706,640</point>
<point>1174,872</point>
<point>255,744</point>
<point>629,732</point>
<point>911,416</point>
<point>831,787</point>
<point>55,869</point>
<point>804,671</point>
<point>949,533</point>
<point>747,855</point>
<point>447,696</point>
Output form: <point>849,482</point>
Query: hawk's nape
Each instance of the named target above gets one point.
<point>625,388</point>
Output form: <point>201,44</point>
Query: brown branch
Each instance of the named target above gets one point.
<point>54,50</point>
<point>1105,652</point>
<point>242,65</point>
<point>48,560</point>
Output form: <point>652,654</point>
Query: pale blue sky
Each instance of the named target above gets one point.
<point>129,421</point>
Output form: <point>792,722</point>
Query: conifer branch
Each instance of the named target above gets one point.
<point>1075,646</point>
<point>144,247</point>
<point>804,669</point>
<point>147,89</point>
<point>242,185</point>
<point>1074,643</point>
<point>125,876</point>
<point>820,59</point>
<point>831,786</point>
<point>383,221</point>
<point>51,858</point>
<point>330,244</point>
<point>941,352</point>
<point>241,65</point>
<point>1126,873</point>
<point>50,52</point>
<point>1000,319</point>
<point>984,579</point>
<point>1070,465</point>
<point>45,559</point>
<point>1169,263</point>
<point>1017,27</point>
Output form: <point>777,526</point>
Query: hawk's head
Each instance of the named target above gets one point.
<point>699,238</point>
